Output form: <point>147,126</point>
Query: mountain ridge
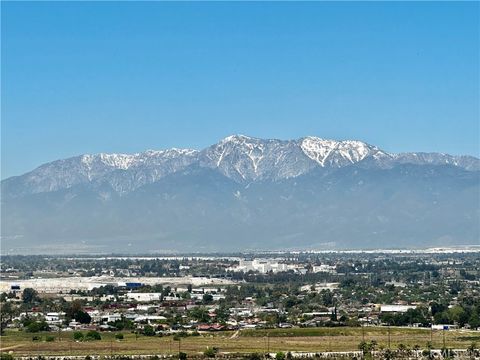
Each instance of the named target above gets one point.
<point>244,193</point>
<point>239,157</point>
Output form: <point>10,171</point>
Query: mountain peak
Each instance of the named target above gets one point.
<point>237,138</point>
<point>336,153</point>
<point>241,158</point>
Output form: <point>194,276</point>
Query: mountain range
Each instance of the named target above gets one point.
<point>244,193</point>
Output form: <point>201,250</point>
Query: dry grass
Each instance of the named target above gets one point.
<point>322,339</point>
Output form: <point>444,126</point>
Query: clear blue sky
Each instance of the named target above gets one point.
<point>92,77</point>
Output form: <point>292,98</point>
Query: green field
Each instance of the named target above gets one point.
<point>247,341</point>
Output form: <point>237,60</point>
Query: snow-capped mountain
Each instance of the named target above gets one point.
<point>246,159</point>
<point>339,153</point>
<point>124,172</point>
<point>241,158</point>
<point>244,193</point>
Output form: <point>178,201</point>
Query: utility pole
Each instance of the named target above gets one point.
<point>268,344</point>
<point>389,336</point>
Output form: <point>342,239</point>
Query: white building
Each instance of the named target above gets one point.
<point>107,318</point>
<point>443,327</point>
<point>54,318</point>
<point>143,297</point>
<point>318,287</point>
<point>262,265</point>
<point>324,268</point>
<point>396,308</point>
<point>150,318</point>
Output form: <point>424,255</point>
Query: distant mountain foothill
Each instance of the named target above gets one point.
<point>244,193</point>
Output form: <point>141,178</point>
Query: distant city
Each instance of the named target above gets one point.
<point>399,303</point>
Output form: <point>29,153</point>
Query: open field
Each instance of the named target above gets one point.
<point>247,341</point>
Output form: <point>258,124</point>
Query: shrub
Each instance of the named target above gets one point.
<point>36,338</point>
<point>210,352</point>
<point>78,336</point>
<point>182,356</point>
<point>36,326</point>
<point>33,327</point>
<point>280,356</point>
<point>4,356</point>
<point>50,338</point>
<point>93,335</point>
<point>119,336</point>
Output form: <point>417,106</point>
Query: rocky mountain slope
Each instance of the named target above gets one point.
<point>244,192</point>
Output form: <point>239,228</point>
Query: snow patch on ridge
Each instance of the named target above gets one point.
<point>317,149</point>
<point>337,153</point>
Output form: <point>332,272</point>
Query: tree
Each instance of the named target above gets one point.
<point>29,295</point>
<point>367,348</point>
<point>148,331</point>
<point>437,307</point>
<point>474,320</point>
<point>223,313</point>
<point>200,314</point>
<point>207,298</point>
<point>123,324</point>
<point>82,317</point>
<point>75,311</point>
<point>327,297</point>
<point>7,312</point>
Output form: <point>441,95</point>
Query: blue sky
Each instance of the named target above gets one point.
<point>92,77</point>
